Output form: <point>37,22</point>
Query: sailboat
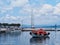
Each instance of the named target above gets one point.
<point>39,33</point>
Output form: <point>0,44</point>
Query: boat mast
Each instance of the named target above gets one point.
<point>32,18</point>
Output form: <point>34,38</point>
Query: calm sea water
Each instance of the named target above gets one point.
<point>24,38</point>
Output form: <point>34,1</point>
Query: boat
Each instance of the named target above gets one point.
<point>39,33</point>
<point>3,30</point>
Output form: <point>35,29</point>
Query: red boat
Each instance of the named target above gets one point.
<point>39,33</point>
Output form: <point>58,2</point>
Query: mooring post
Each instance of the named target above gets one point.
<point>55,27</point>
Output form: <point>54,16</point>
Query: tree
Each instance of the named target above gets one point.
<point>4,24</point>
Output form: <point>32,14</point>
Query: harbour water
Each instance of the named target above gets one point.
<point>24,38</point>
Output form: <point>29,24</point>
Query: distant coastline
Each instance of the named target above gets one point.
<point>41,26</point>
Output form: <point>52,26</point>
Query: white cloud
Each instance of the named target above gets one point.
<point>47,14</point>
<point>15,19</point>
<point>47,8</point>
<point>18,3</point>
<point>13,3</point>
<point>9,18</point>
<point>57,9</point>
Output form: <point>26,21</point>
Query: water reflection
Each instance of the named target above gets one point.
<point>9,38</point>
<point>24,38</point>
<point>10,34</point>
<point>14,34</point>
<point>39,41</point>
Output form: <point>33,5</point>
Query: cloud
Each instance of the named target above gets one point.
<point>18,3</point>
<point>45,9</point>
<point>57,9</point>
<point>43,14</point>
<point>10,19</point>
<point>15,19</point>
<point>12,3</point>
<point>47,14</point>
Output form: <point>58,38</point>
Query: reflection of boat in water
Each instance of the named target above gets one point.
<point>39,33</point>
<point>38,40</point>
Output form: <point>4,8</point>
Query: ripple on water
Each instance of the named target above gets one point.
<point>24,38</point>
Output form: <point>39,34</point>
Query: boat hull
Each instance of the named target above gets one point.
<point>38,36</point>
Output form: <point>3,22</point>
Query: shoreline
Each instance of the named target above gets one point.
<point>45,30</point>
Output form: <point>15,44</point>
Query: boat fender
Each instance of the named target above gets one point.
<point>30,33</point>
<point>48,33</point>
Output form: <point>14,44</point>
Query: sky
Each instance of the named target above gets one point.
<point>44,12</point>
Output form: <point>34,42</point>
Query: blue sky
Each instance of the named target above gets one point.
<point>45,12</point>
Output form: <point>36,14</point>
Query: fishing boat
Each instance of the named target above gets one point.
<point>39,33</point>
